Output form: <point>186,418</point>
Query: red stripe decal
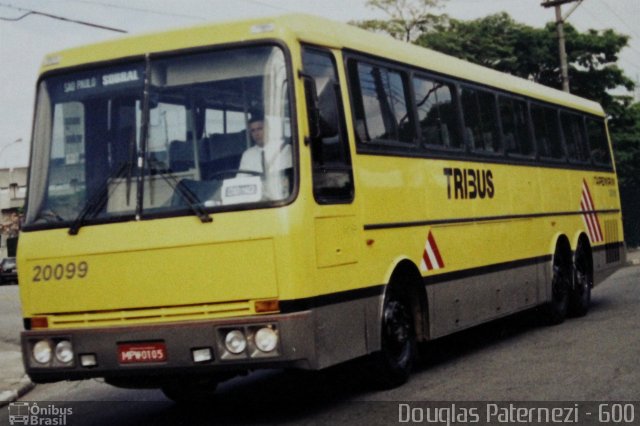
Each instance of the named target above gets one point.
<point>590,217</point>
<point>588,222</point>
<point>434,247</point>
<point>427,261</point>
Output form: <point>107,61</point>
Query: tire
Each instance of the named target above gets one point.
<point>190,392</point>
<point>555,311</point>
<point>392,365</point>
<point>580,294</point>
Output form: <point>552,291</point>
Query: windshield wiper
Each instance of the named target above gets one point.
<point>95,203</point>
<point>185,193</point>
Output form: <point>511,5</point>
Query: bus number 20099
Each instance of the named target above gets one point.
<point>60,271</point>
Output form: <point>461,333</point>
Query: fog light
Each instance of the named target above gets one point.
<point>88,360</point>
<point>201,355</point>
<point>64,351</point>
<point>266,339</point>
<point>42,352</point>
<point>235,342</point>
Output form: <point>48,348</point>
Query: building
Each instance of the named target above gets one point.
<point>13,189</point>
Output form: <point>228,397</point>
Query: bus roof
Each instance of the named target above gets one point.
<point>317,31</point>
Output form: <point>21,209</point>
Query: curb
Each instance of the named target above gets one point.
<point>23,386</point>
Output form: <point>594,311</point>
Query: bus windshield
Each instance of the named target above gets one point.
<point>159,137</point>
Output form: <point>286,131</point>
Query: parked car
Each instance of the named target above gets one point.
<point>8,270</point>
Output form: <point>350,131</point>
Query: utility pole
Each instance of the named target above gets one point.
<point>564,66</point>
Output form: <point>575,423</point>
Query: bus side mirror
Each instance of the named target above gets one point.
<point>313,108</point>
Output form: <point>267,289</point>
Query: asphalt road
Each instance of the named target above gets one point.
<point>593,358</point>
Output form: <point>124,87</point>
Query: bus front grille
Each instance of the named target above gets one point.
<point>150,315</point>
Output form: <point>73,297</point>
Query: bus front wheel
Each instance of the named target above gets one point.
<point>393,363</point>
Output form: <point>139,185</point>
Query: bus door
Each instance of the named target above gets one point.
<point>336,230</point>
<point>333,190</point>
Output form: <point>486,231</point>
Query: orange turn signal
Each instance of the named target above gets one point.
<point>271,305</point>
<point>39,322</point>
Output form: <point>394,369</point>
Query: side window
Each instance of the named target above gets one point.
<point>515,129</point>
<point>480,120</point>
<point>381,104</point>
<point>437,115</point>
<point>168,125</point>
<point>547,132</point>
<point>598,142</point>
<point>574,137</point>
<point>332,175</point>
<point>224,121</point>
<point>69,133</point>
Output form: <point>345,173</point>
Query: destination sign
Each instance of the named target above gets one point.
<point>90,83</point>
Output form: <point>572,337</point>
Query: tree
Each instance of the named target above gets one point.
<point>497,41</point>
<point>407,18</point>
<point>624,127</point>
<point>493,41</point>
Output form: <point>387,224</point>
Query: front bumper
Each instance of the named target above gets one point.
<point>295,349</point>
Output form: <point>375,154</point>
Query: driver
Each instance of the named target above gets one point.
<point>264,156</point>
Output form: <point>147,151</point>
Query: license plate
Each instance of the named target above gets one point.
<point>131,353</point>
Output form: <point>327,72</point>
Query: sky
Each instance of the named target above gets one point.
<point>24,43</point>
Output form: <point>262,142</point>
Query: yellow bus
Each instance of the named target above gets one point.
<point>295,193</point>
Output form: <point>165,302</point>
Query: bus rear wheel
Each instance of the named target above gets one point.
<point>393,363</point>
<point>580,295</point>
<point>556,310</point>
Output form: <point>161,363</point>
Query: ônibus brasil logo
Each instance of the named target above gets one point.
<point>29,413</point>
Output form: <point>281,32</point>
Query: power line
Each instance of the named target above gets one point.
<point>620,18</point>
<point>629,46</point>
<point>137,9</point>
<point>265,4</point>
<point>586,8</point>
<point>628,27</point>
<point>29,12</point>
<point>632,31</point>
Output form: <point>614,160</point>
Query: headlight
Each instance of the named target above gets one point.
<point>42,352</point>
<point>235,342</point>
<point>64,351</point>
<point>266,339</point>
